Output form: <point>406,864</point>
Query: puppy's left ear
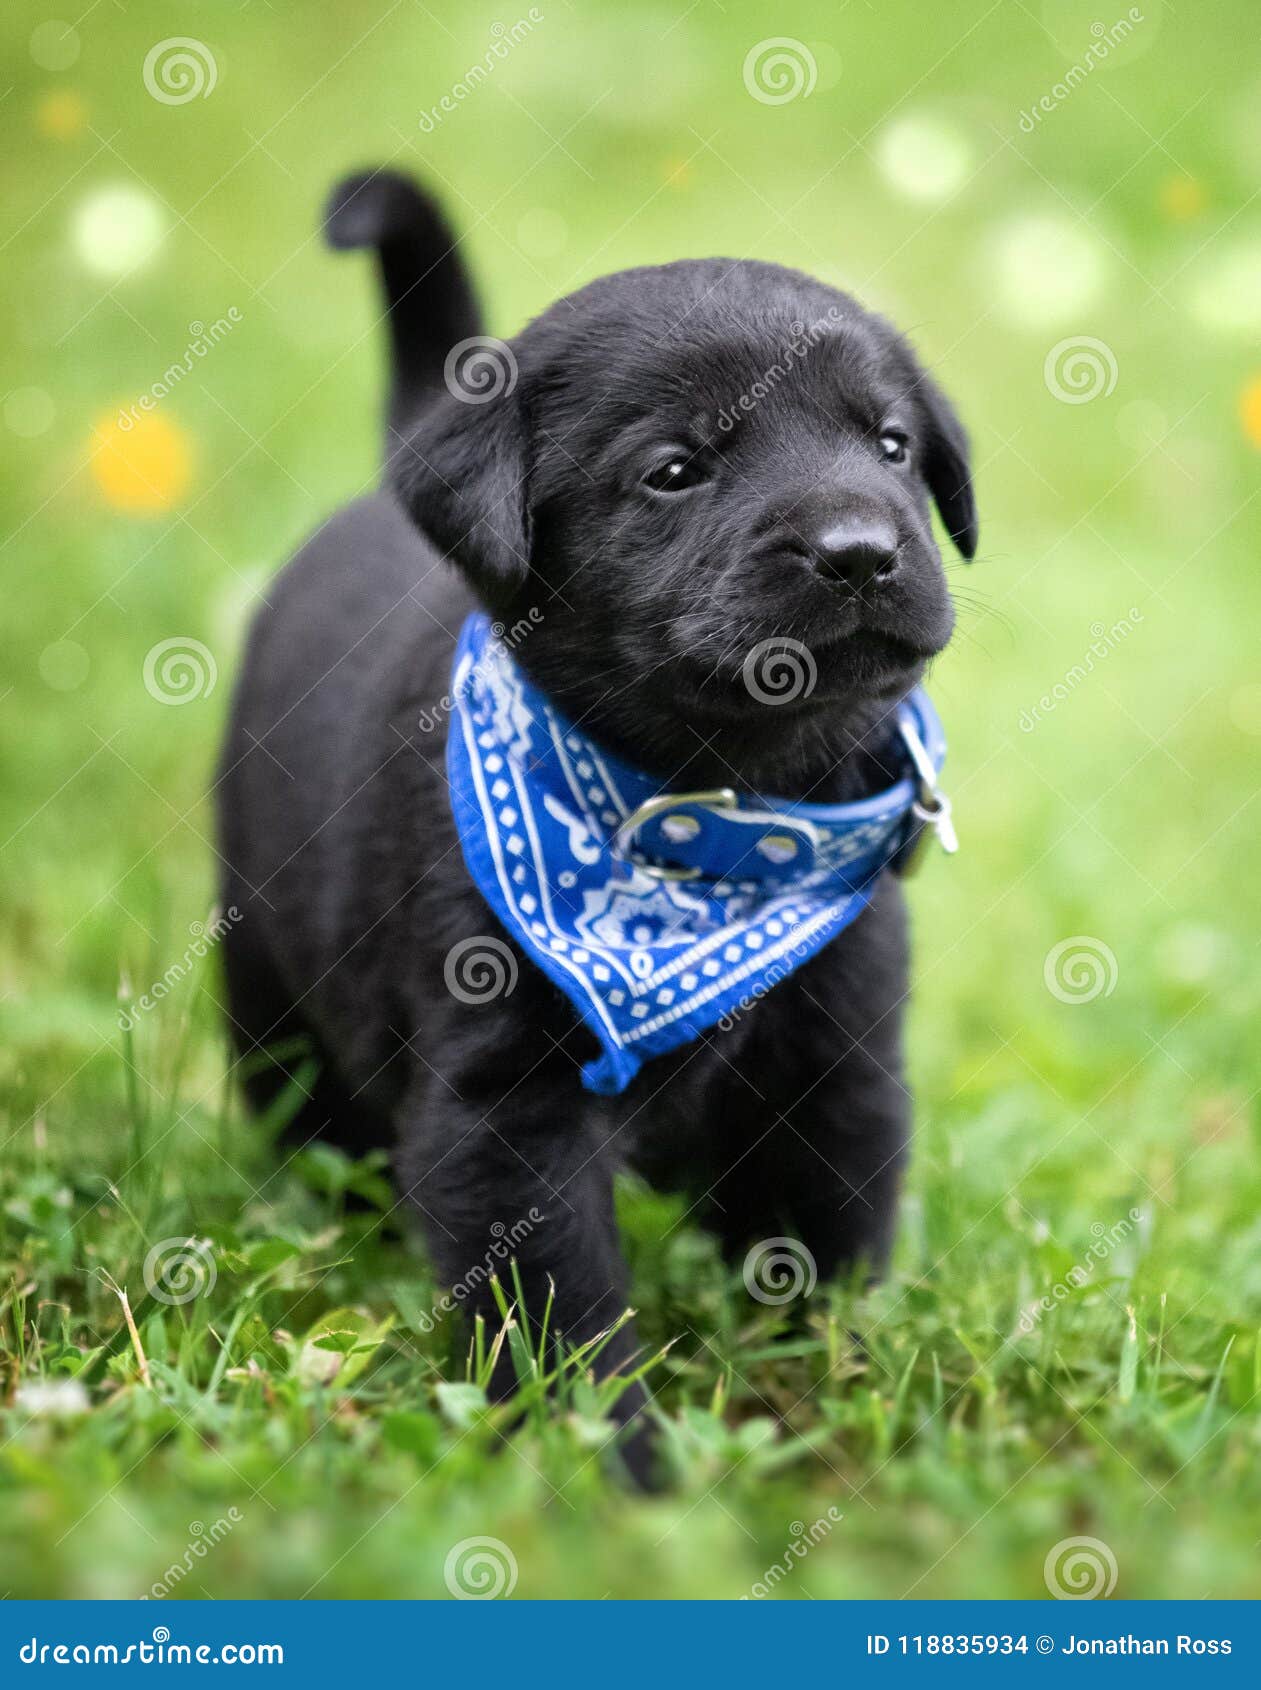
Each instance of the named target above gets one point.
<point>947,467</point>
<point>461,476</point>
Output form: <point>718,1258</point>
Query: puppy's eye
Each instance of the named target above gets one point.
<point>675,476</point>
<point>893,447</point>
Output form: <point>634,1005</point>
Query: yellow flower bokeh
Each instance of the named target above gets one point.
<point>1182,197</point>
<point>1250,409</point>
<point>140,462</point>
<point>61,115</point>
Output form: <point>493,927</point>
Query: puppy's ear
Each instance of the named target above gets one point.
<point>461,478</point>
<point>947,468</point>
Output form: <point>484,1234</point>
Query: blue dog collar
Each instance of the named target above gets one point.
<point>659,914</point>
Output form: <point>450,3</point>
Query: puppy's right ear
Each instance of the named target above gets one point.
<point>461,476</point>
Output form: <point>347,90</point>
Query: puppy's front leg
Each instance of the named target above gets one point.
<point>528,1178</point>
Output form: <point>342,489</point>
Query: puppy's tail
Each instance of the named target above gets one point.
<point>429,298</point>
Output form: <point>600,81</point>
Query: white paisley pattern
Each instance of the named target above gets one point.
<point>649,964</point>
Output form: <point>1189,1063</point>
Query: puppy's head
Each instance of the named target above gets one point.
<point>694,464</point>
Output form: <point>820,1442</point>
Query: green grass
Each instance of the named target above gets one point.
<point>308,1388</point>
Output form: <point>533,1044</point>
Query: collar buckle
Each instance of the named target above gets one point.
<point>720,797</point>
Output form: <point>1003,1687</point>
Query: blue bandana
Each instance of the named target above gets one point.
<point>657,914</point>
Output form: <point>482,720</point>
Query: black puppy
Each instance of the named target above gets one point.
<point>670,466</point>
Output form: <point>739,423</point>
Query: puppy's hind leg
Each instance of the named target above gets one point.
<point>280,1064</point>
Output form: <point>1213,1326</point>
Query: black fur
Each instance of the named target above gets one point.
<point>333,807</point>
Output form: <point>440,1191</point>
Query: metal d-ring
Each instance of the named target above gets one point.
<point>722,796</point>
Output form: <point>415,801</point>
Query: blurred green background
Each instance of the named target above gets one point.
<point>1060,203</point>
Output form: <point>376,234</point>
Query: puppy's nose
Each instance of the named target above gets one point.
<point>855,554</point>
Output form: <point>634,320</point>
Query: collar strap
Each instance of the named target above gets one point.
<point>717,836</point>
